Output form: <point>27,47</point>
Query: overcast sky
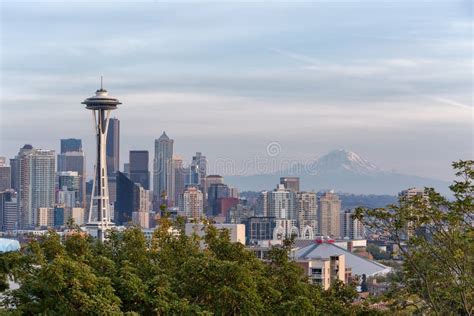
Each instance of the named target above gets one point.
<point>389,80</point>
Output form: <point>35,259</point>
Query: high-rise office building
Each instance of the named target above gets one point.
<point>138,168</point>
<point>131,197</point>
<point>15,174</point>
<point>5,175</point>
<point>113,146</point>
<point>71,144</point>
<point>36,183</point>
<point>262,204</point>
<point>329,207</point>
<point>206,183</point>
<point>352,228</point>
<point>8,211</point>
<point>291,183</point>
<point>216,192</point>
<point>191,202</point>
<point>75,161</point>
<point>176,182</point>
<point>163,156</point>
<point>199,167</point>
<point>281,203</point>
<point>307,206</point>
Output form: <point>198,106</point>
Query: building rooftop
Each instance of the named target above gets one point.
<point>326,249</point>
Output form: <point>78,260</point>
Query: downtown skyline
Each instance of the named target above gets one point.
<point>399,95</point>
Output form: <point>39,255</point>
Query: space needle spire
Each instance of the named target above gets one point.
<point>99,220</point>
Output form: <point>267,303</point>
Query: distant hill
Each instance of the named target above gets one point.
<point>343,171</point>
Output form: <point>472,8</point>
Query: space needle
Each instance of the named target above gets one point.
<point>99,220</point>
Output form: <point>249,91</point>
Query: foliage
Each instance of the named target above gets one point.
<point>171,274</point>
<point>377,253</point>
<point>436,239</point>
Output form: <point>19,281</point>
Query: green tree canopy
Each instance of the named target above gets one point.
<point>436,238</point>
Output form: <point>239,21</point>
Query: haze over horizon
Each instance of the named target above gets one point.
<point>391,81</point>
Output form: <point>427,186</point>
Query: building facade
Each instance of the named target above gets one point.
<point>138,170</point>
<point>291,183</point>
<point>329,209</point>
<point>113,147</point>
<point>75,161</point>
<point>281,203</point>
<point>307,207</point>
<point>163,156</point>
<point>191,203</point>
<point>36,184</point>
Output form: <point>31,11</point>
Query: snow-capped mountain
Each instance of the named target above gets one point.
<point>340,160</point>
<point>340,170</point>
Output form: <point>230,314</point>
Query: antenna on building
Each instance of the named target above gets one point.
<point>101,82</point>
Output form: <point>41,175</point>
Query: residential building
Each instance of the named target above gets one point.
<point>262,204</point>
<point>324,271</point>
<point>36,183</point>
<point>281,203</point>
<point>306,207</point>
<point>44,217</point>
<point>352,228</point>
<point>175,178</point>
<point>329,209</point>
<point>191,203</point>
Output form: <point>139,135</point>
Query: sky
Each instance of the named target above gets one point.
<point>389,80</point>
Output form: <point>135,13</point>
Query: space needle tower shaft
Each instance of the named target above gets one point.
<point>99,221</point>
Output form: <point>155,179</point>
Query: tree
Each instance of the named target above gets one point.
<point>436,238</point>
<point>173,274</point>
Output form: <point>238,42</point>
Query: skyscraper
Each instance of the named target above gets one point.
<point>138,168</point>
<point>176,175</point>
<point>102,104</point>
<point>36,183</point>
<point>8,211</point>
<point>113,146</point>
<point>328,215</point>
<point>281,203</point>
<point>71,144</point>
<point>307,206</point>
<point>15,173</point>
<point>199,167</point>
<point>131,198</point>
<point>352,228</point>
<point>75,161</point>
<point>211,179</point>
<point>163,155</point>
<point>291,183</point>
<point>262,204</point>
<point>191,202</point>
<point>216,192</point>
<point>5,175</point>
<point>69,187</point>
